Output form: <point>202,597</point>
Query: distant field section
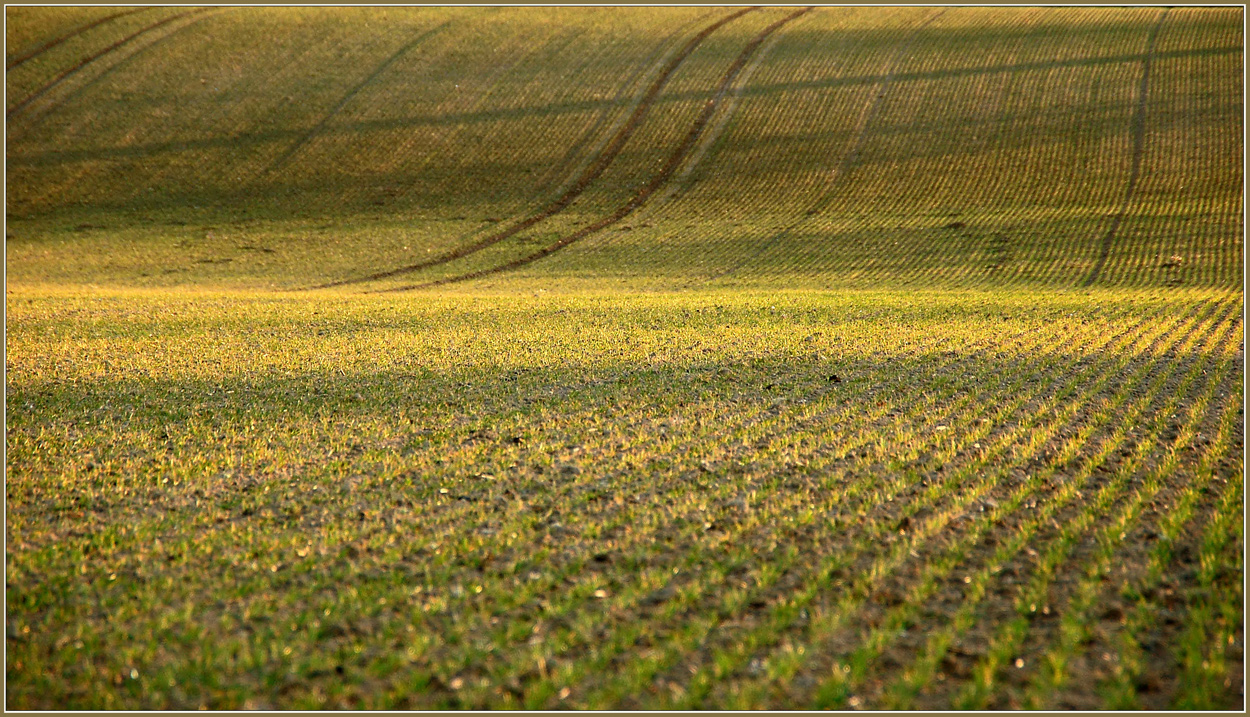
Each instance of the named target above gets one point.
<point>409,147</point>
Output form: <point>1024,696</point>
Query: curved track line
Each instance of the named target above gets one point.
<point>43,109</point>
<point>680,184</point>
<point>560,176</point>
<point>316,129</point>
<point>83,63</point>
<point>68,36</point>
<point>1139,136</point>
<point>849,160</point>
<point>643,194</point>
<point>600,164</point>
<point>588,138</point>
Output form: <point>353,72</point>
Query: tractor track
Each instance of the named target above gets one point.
<point>583,182</point>
<point>68,36</point>
<point>576,159</point>
<point>851,158</point>
<point>591,142</point>
<point>48,86</point>
<point>682,183</point>
<point>675,160</point>
<point>1139,135</point>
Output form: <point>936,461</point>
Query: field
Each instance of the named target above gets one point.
<point>855,358</point>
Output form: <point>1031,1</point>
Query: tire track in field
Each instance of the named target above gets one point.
<point>849,160</point>
<point>54,190</point>
<point>476,101</point>
<point>349,96</point>
<point>48,86</point>
<point>640,197</point>
<point>592,173</point>
<point>1139,135</point>
<point>557,179</point>
<point>69,36</point>
<point>679,185</point>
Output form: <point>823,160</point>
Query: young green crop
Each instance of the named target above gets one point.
<point>496,500</point>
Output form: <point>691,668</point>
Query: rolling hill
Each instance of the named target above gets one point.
<point>673,147</point>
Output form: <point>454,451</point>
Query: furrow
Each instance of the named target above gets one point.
<point>834,691</point>
<point>1215,626</point>
<point>1053,668</point>
<point>789,608</point>
<point>904,691</point>
<point>1007,640</point>
<point>543,586</point>
<point>1134,648</point>
<point>764,585</point>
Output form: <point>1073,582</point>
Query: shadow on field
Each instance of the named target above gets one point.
<point>54,158</point>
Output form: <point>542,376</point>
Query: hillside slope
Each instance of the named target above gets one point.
<point>661,147</point>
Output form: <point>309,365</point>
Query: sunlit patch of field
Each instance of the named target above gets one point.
<point>730,499</point>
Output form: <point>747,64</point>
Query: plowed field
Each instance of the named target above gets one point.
<point>855,358</point>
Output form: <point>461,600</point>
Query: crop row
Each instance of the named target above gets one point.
<point>618,518</point>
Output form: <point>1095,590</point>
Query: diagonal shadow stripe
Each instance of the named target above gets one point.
<point>68,36</point>
<point>317,129</point>
<point>88,60</point>
<point>53,157</point>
